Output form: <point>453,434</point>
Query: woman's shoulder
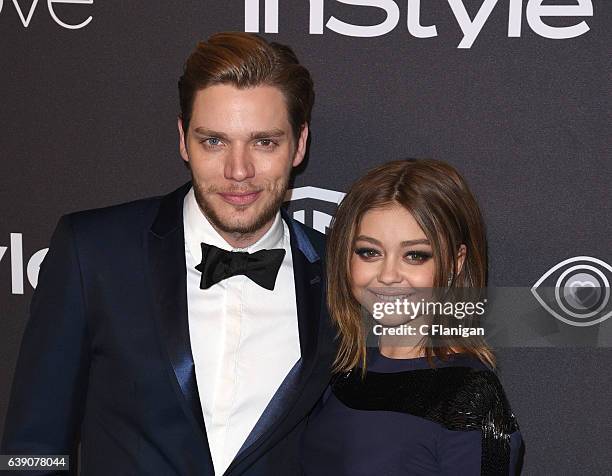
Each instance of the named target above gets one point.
<point>461,394</point>
<point>479,401</point>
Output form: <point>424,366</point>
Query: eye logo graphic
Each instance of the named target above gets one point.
<point>313,206</point>
<point>581,293</point>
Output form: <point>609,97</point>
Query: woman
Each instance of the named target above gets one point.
<point>416,403</point>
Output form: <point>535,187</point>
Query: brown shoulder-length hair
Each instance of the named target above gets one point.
<point>246,60</point>
<point>442,204</point>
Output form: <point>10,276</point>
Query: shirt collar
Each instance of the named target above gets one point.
<point>199,230</point>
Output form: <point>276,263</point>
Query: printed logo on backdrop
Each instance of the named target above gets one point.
<point>313,206</point>
<point>26,9</point>
<point>21,267</point>
<point>534,11</point>
<point>576,291</point>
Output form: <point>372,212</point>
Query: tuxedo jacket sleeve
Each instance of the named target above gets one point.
<point>48,393</point>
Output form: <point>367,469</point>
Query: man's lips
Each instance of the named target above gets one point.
<point>240,198</point>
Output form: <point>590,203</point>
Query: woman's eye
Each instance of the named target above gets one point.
<point>366,253</point>
<point>417,256</point>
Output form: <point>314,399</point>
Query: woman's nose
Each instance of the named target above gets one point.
<point>389,273</point>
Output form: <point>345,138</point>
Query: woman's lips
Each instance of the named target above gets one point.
<point>391,296</point>
<point>240,198</point>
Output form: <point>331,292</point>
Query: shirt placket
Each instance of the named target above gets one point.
<point>226,390</point>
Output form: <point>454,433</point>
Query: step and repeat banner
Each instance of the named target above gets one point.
<point>514,93</point>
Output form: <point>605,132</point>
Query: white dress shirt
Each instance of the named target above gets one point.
<point>244,338</point>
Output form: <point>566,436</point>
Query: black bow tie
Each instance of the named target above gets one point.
<point>261,266</point>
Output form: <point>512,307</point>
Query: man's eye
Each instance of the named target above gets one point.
<point>211,141</point>
<point>417,256</point>
<point>366,253</point>
<point>266,143</point>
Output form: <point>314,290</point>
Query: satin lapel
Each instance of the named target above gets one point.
<point>167,276</point>
<point>308,281</point>
<point>307,276</point>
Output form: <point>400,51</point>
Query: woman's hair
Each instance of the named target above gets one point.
<point>440,201</point>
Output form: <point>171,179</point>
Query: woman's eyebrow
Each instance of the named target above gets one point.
<point>422,241</point>
<point>369,239</point>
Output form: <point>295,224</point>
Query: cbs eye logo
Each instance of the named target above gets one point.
<point>577,291</point>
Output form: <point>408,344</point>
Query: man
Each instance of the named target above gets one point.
<point>188,334</point>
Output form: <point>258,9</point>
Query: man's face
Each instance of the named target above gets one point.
<point>240,149</point>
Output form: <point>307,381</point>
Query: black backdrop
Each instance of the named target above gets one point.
<point>88,119</point>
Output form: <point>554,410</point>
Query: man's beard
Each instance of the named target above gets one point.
<point>225,224</point>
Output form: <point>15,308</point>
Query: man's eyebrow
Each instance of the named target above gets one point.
<point>202,131</point>
<point>271,134</point>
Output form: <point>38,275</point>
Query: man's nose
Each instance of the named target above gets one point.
<point>239,164</point>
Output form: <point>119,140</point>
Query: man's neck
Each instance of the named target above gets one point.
<point>244,240</point>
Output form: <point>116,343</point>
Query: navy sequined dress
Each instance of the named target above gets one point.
<point>406,418</point>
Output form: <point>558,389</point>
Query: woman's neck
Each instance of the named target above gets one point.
<point>401,352</point>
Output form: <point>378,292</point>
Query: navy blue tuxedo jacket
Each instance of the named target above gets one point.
<point>106,359</point>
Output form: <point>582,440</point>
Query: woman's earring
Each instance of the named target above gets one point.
<point>450,280</point>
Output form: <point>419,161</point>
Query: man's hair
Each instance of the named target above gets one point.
<point>245,60</point>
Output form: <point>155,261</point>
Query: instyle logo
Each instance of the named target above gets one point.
<point>25,14</point>
<point>534,12</point>
<point>32,267</point>
<point>313,206</point>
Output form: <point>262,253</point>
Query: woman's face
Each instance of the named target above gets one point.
<point>392,261</point>
<point>392,258</point>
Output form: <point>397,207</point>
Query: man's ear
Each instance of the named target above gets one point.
<point>300,150</point>
<point>461,254</point>
<point>182,140</point>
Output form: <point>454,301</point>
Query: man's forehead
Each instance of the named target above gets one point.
<point>230,95</point>
<point>255,108</point>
